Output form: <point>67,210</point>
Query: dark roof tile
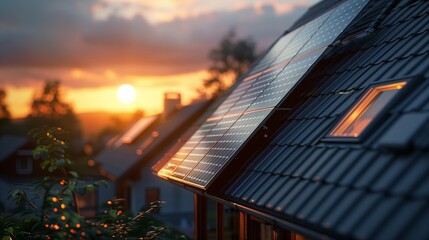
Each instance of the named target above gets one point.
<point>254,185</point>
<point>302,199</point>
<point>291,161</point>
<point>326,205</point>
<point>321,193</point>
<point>402,132</point>
<point>308,162</point>
<point>274,201</point>
<point>395,169</point>
<point>358,213</point>
<point>418,227</point>
<point>279,183</point>
<point>344,166</point>
<point>285,153</point>
<point>321,161</point>
<point>417,171</point>
<point>332,163</point>
<point>394,224</point>
<point>259,192</point>
<point>359,168</point>
<point>372,170</point>
<point>342,208</point>
<point>247,183</point>
<point>290,197</point>
<point>380,212</point>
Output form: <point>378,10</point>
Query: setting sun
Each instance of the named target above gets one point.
<point>126,94</point>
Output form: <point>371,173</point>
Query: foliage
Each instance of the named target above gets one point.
<point>49,109</point>
<point>4,110</point>
<point>50,210</point>
<point>229,60</point>
<point>49,102</point>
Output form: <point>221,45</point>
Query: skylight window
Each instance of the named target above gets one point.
<point>364,112</point>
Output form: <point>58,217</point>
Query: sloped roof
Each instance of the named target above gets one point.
<point>9,144</point>
<point>117,159</point>
<point>366,189</point>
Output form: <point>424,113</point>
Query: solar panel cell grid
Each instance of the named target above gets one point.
<point>228,145</point>
<point>334,25</point>
<point>305,33</point>
<point>273,53</point>
<point>232,98</point>
<point>285,81</point>
<point>220,138</point>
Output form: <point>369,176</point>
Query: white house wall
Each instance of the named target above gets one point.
<point>177,200</point>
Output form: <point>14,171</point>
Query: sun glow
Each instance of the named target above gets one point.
<point>126,94</point>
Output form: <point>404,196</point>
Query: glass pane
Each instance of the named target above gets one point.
<point>355,122</point>
<point>231,223</point>
<point>211,219</point>
<point>360,123</point>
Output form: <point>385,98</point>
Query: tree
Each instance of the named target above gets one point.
<point>4,111</point>
<point>229,60</point>
<point>49,102</point>
<point>49,109</point>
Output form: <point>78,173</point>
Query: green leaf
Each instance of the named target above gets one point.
<point>113,213</point>
<point>9,230</point>
<point>74,174</point>
<point>6,238</point>
<point>81,191</point>
<point>89,187</point>
<point>71,186</point>
<point>60,162</point>
<point>105,183</point>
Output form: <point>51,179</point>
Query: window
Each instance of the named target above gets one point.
<point>24,165</point>
<point>366,109</point>
<point>88,204</point>
<point>152,195</point>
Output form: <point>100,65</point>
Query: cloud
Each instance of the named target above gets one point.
<point>39,38</point>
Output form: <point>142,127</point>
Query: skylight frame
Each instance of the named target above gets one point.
<point>382,115</point>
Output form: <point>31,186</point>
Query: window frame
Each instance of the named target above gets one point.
<point>411,82</point>
<point>24,160</point>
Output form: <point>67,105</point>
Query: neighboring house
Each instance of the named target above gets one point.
<point>326,137</point>
<point>17,166</point>
<point>127,160</point>
<point>19,170</point>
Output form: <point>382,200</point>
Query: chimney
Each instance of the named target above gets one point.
<point>172,102</point>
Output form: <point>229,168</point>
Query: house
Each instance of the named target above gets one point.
<point>16,166</point>
<point>19,170</point>
<point>128,158</point>
<point>326,137</point>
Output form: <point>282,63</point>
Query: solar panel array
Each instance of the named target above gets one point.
<point>243,112</point>
<point>136,130</point>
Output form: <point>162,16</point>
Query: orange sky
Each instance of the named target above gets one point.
<point>94,46</point>
<point>149,96</point>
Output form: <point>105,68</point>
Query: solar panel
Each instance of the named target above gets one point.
<point>244,111</point>
<point>272,54</point>
<point>286,80</point>
<point>217,157</point>
<point>135,130</point>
